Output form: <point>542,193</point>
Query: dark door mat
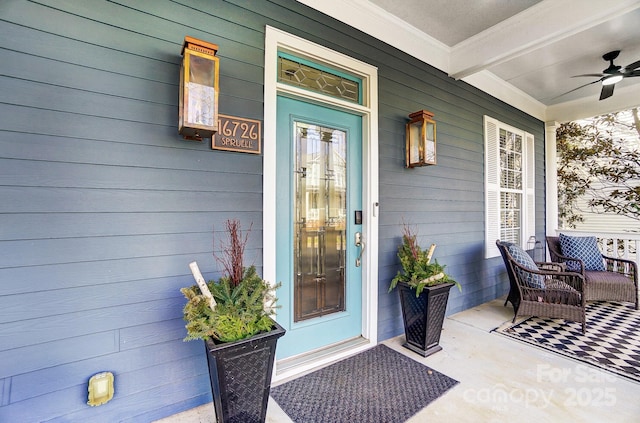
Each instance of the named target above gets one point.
<point>379,385</point>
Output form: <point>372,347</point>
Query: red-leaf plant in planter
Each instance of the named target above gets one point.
<point>423,287</point>
<point>233,317</point>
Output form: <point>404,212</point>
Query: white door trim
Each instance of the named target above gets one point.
<point>276,40</point>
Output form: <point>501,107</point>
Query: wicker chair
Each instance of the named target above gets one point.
<point>618,283</point>
<point>560,297</point>
<point>514,293</point>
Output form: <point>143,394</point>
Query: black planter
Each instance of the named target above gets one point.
<point>240,374</point>
<point>423,316</point>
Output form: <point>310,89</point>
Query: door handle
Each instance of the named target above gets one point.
<point>359,243</point>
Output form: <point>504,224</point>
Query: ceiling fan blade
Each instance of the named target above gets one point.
<point>607,91</point>
<point>632,66</point>
<point>581,86</point>
<point>593,75</point>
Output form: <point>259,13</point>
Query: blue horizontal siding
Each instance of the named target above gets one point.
<point>26,226</point>
<point>183,156</point>
<point>69,405</point>
<point>54,350</point>
<point>104,204</point>
<point>144,356</point>
<point>107,272</point>
<point>18,335</point>
<point>78,200</point>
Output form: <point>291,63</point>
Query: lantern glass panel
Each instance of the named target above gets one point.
<point>430,153</point>
<point>201,70</point>
<point>415,130</point>
<point>201,91</point>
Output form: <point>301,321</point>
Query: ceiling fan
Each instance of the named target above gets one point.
<point>611,75</point>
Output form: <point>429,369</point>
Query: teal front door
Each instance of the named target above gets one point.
<point>319,199</point>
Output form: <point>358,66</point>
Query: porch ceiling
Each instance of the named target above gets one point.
<point>523,52</point>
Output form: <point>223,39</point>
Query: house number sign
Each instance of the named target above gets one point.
<point>237,134</point>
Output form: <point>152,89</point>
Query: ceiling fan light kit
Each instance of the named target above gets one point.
<point>612,80</point>
<point>611,75</point>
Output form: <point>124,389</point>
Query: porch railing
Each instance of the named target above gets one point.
<point>614,244</point>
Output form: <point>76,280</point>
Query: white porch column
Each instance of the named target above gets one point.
<point>551,178</point>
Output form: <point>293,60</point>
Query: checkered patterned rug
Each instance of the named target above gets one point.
<point>611,342</point>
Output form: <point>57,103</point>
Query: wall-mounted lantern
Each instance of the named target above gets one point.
<point>199,76</point>
<point>421,139</point>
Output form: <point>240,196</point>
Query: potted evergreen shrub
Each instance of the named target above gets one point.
<point>233,317</point>
<point>424,288</point>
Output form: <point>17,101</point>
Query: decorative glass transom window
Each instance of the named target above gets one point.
<point>509,185</point>
<point>305,74</point>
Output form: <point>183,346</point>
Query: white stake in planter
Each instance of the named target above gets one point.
<point>434,277</point>
<point>430,253</point>
<point>202,284</point>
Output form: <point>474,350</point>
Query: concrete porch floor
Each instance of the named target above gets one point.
<point>500,380</point>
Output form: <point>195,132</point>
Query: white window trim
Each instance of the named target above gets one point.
<point>492,185</point>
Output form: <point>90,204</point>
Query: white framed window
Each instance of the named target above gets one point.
<point>509,185</point>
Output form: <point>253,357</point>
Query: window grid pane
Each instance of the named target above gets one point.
<point>510,216</point>
<point>510,160</point>
<point>511,190</point>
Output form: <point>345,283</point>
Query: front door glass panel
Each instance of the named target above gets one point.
<point>320,210</point>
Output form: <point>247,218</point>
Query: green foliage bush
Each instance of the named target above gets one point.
<point>244,301</point>
<point>599,165</point>
<point>418,271</point>
<point>239,313</point>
